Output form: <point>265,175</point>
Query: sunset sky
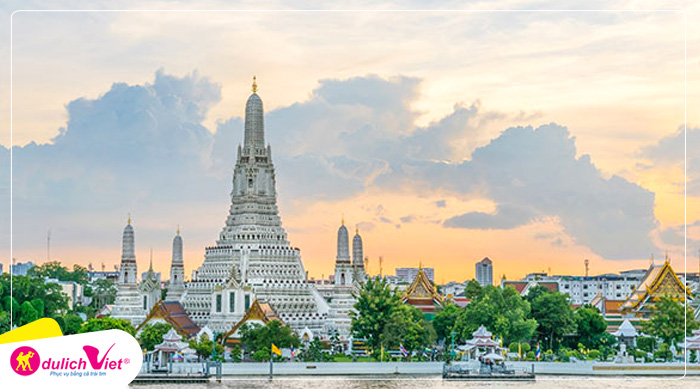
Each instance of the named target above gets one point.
<point>537,139</point>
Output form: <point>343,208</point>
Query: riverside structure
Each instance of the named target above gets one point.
<point>251,260</point>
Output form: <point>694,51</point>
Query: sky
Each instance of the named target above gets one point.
<point>538,139</point>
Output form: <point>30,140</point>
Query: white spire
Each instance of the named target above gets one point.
<point>343,244</point>
<point>357,251</point>
<point>254,135</point>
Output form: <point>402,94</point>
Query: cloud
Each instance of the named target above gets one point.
<point>134,147</point>
<point>669,152</point>
<point>534,173</point>
<point>506,217</point>
<point>144,146</point>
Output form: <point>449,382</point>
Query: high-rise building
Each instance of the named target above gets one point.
<point>21,269</point>
<point>408,274</point>
<point>484,272</point>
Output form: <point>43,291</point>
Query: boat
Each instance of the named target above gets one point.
<point>485,372</point>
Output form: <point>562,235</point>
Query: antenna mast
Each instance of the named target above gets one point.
<point>585,263</point>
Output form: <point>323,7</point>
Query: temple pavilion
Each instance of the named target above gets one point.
<point>659,281</point>
<point>423,295</point>
<point>481,343</point>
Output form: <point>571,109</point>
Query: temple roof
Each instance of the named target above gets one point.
<point>257,311</point>
<point>421,289</point>
<point>659,280</point>
<point>626,330</point>
<point>172,342</point>
<point>174,314</point>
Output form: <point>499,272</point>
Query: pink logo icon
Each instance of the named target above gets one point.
<point>92,354</point>
<point>25,361</point>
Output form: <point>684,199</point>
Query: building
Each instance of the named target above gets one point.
<point>134,300</point>
<point>21,269</point>
<point>349,276</point>
<point>584,289</point>
<point>252,258</point>
<point>423,295</point>
<point>103,275</point>
<point>484,272</point>
<point>659,281</point>
<point>406,275</point>
<point>176,283</point>
<point>70,289</point>
<point>0,268</point>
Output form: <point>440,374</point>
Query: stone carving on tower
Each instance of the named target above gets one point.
<point>253,246</point>
<point>176,284</point>
<point>128,304</point>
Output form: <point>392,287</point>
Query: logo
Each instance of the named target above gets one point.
<point>92,354</point>
<point>25,361</point>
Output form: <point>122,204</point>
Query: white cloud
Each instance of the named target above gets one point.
<point>144,146</point>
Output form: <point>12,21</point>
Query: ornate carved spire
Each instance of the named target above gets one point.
<point>255,85</point>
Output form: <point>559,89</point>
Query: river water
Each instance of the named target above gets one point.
<point>346,382</point>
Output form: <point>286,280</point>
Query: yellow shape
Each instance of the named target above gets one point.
<point>276,350</point>
<point>40,329</point>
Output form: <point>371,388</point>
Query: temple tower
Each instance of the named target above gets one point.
<point>176,284</point>
<point>252,257</point>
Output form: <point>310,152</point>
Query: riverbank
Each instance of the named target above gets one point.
<point>588,368</point>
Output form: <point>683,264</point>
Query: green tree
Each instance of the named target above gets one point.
<point>590,326</point>
<point>376,301</point>
<point>204,346</point>
<point>38,304</point>
<point>646,343</point>
<point>257,337</point>
<point>107,323</point>
<point>28,313</point>
<point>314,353</point>
<point>554,317</point>
<point>4,322</point>
<point>152,335</point>
<point>104,292</point>
<point>668,321</point>
<point>28,288</point>
<point>535,292</point>
<point>473,290</point>
<point>11,305</point>
<point>71,323</point>
<point>445,320</point>
<point>407,326</point>
<point>502,311</point>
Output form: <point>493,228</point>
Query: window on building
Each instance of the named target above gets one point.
<point>247,302</point>
<point>218,303</point>
<point>232,302</point>
<point>145,303</point>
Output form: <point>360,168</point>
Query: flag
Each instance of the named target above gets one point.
<point>292,349</point>
<point>276,350</point>
<point>537,353</point>
<point>403,350</point>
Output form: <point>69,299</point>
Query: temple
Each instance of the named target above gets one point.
<point>423,295</point>
<point>252,272</point>
<point>659,281</point>
<point>252,258</point>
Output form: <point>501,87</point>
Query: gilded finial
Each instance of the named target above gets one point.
<point>178,229</point>
<point>357,230</point>
<point>150,268</point>
<point>667,258</point>
<point>128,221</point>
<point>255,85</point>
<point>342,220</point>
